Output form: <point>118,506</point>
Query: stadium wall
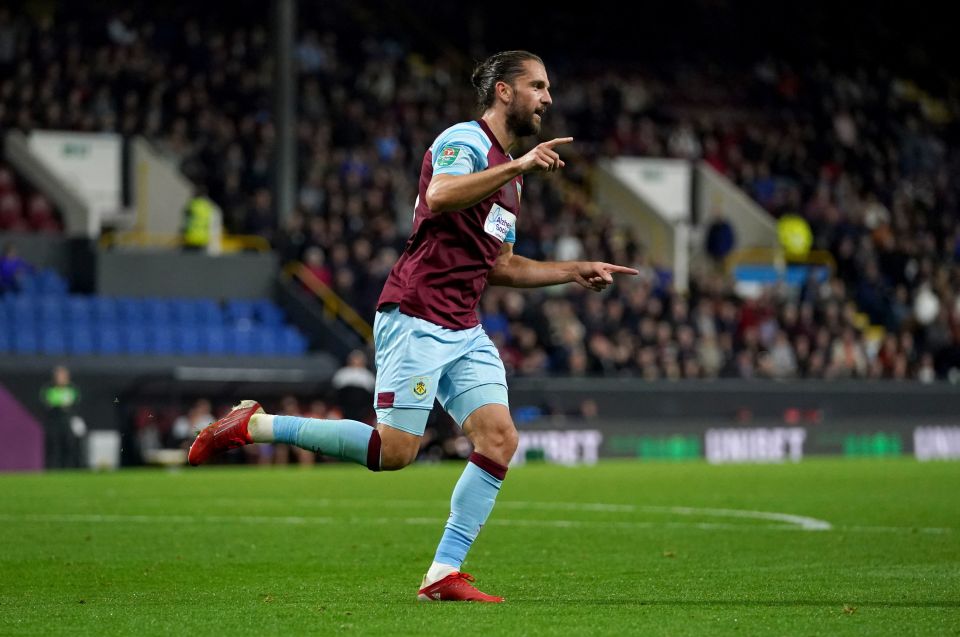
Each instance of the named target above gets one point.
<point>186,275</point>
<point>40,250</point>
<point>112,386</point>
<point>580,420</point>
<point>567,421</point>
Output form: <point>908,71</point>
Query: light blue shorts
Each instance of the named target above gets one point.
<point>418,361</point>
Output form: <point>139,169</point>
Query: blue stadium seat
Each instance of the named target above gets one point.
<point>160,341</point>
<point>22,310</point>
<point>242,342</point>
<point>108,340</point>
<point>188,340</point>
<point>53,341</point>
<point>269,313</point>
<point>269,340</point>
<point>25,341</point>
<point>50,282</point>
<point>185,312</point>
<point>81,340</point>
<point>30,285</point>
<point>209,313</point>
<point>213,340</point>
<point>131,312</point>
<point>52,310</point>
<point>105,310</point>
<point>79,310</point>
<point>134,340</point>
<point>157,312</point>
<point>293,343</point>
<point>240,312</point>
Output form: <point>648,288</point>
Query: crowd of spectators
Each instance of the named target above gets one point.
<point>863,155</point>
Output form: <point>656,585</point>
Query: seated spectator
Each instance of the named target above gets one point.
<point>12,269</point>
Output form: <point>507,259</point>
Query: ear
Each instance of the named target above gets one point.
<point>504,91</point>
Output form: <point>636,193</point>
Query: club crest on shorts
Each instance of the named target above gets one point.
<point>420,385</point>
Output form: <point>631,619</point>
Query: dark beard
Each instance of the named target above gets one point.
<point>520,124</point>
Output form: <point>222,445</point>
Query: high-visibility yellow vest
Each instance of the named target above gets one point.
<point>200,211</point>
<point>795,236</point>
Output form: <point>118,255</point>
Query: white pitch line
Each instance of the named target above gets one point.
<point>804,522</point>
<point>417,521</point>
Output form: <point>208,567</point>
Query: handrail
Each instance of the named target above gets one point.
<point>229,242</point>
<point>333,304</point>
<point>776,257</point>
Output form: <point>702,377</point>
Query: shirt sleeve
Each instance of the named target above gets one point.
<point>459,151</point>
<point>511,234</point>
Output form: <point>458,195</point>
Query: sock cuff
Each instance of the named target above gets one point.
<point>495,469</point>
<point>373,451</point>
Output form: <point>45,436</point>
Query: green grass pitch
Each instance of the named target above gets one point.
<point>824,547</point>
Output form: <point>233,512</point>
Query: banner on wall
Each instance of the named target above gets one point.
<point>587,441</point>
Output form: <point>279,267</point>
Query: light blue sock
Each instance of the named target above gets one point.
<point>472,501</point>
<point>344,439</point>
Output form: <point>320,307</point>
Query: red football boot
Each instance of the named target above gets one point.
<point>455,587</point>
<point>229,432</point>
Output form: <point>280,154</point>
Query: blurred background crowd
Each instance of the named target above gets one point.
<point>863,149</point>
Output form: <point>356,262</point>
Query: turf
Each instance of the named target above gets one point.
<point>591,550</point>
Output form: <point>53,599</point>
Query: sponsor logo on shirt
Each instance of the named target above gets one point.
<point>499,222</point>
<point>447,156</point>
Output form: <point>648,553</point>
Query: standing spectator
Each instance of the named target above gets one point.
<point>63,429</point>
<point>185,428</point>
<point>720,238</point>
<point>354,384</point>
<point>203,223</point>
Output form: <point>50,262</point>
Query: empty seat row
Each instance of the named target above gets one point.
<point>86,340</point>
<point>74,309</point>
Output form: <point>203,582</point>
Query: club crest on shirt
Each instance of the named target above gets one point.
<point>419,385</point>
<point>447,156</point>
<point>499,222</point>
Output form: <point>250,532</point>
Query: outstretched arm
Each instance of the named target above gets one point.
<point>447,193</point>
<point>512,270</point>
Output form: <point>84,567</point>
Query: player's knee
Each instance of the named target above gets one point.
<point>510,440</point>
<point>398,448</point>
<point>396,456</point>
<point>395,459</point>
<point>503,436</point>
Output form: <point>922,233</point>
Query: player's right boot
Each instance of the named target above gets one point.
<point>229,432</point>
<point>455,587</point>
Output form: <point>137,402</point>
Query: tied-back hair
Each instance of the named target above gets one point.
<point>499,67</point>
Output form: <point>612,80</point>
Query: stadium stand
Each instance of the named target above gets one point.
<point>22,209</point>
<point>43,318</point>
<point>863,155</point>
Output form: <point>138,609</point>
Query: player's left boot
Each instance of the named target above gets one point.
<point>229,432</point>
<point>455,587</point>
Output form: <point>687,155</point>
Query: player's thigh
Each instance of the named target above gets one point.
<point>409,362</point>
<point>476,378</point>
